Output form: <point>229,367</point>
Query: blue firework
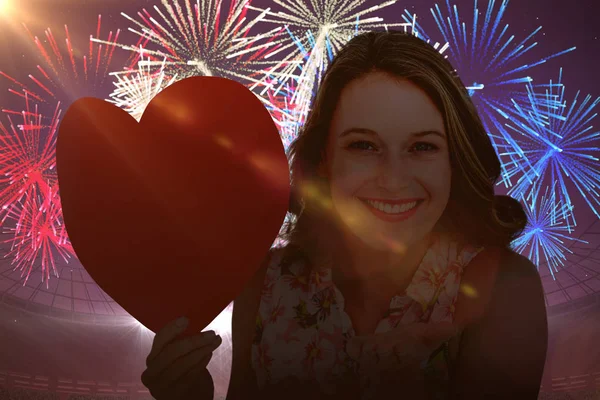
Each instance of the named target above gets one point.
<point>420,32</point>
<point>557,142</point>
<point>547,230</point>
<point>491,63</point>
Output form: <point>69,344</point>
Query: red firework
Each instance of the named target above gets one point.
<point>39,233</point>
<point>68,68</point>
<point>27,160</point>
<point>30,206</point>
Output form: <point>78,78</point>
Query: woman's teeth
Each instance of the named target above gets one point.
<point>391,209</point>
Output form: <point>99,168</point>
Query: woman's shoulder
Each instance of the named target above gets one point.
<point>491,273</point>
<point>506,264</point>
<point>509,338</point>
<point>518,279</point>
<point>517,266</point>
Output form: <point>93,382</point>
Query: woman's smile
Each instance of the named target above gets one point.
<point>392,211</point>
<point>404,160</point>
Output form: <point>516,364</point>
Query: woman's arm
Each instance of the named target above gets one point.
<point>502,354</point>
<point>242,382</point>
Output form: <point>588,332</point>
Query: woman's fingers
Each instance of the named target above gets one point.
<point>189,362</point>
<point>188,384</point>
<point>173,364</point>
<point>165,336</point>
<point>172,377</point>
<point>205,343</point>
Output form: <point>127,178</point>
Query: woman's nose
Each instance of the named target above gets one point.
<point>394,174</point>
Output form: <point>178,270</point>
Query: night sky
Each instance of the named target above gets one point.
<point>565,24</point>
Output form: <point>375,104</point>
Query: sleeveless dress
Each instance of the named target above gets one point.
<point>302,328</point>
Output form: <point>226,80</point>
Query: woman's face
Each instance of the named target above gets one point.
<point>387,162</point>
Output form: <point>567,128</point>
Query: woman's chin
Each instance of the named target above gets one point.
<point>388,243</point>
<point>378,236</point>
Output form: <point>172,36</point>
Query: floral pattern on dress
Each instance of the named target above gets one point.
<point>302,328</point>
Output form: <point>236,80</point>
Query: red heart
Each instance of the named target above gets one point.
<point>172,216</point>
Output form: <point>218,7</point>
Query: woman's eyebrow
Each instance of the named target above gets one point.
<point>365,131</point>
<point>371,132</point>
<point>432,132</point>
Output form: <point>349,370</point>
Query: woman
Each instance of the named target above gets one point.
<point>397,279</point>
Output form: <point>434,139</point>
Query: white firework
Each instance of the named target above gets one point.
<point>133,92</point>
<point>197,39</point>
<point>316,30</point>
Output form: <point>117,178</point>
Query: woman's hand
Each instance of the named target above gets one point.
<point>396,359</point>
<point>176,369</point>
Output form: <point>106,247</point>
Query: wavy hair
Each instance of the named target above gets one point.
<point>473,210</point>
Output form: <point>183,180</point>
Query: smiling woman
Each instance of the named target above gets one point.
<point>397,279</point>
<point>388,131</point>
<point>399,167</point>
<point>405,175</point>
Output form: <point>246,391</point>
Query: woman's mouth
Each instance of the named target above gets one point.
<point>392,211</point>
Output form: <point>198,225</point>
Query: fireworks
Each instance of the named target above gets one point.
<point>38,234</point>
<point>31,211</point>
<point>493,67</point>
<point>543,140</point>
<point>315,32</point>
<point>319,29</point>
<point>133,92</point>
<point>557,144</point>
<point>67,69</point>
<point>29,191</point>
<point>192,40</point>
<point>284,113</point>
<point>418,31</point>
<point>27,162</point>
<point>544,237</point>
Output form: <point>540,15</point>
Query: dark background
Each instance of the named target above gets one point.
<point>35,344</point>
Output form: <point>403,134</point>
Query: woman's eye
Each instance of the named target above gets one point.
<point>423,146</point>
<point>362,145</point>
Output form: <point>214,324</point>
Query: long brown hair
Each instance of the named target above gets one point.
<point>473,210</point>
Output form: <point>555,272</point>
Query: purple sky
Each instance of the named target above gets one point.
<point>565,24</point>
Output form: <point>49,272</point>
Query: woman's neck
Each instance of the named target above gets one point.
<point>372,277</point>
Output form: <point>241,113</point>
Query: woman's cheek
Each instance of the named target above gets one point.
<point>434,168</point>
<point>356,169</point>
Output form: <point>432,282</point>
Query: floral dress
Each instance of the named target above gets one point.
<point>302,328</point>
